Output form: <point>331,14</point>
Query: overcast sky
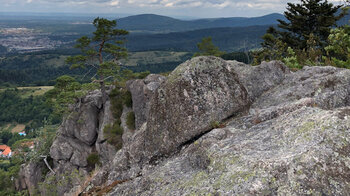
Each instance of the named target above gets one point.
<point>193,8</point>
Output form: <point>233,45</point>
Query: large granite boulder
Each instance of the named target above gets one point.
<point>200,92</point>
<point>287,133</point>
<point>302,152</point>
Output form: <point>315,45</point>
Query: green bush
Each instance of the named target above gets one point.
<point>113,134</point>
<point>116,103</point>
<point>130,120</point>
<point>93,159</point>
<point>127,99</point>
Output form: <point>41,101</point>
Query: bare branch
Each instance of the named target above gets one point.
<point>47,164</point>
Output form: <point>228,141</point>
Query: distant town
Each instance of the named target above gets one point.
<point>27,40</point>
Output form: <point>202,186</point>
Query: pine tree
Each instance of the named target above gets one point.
<point>310,18</point>
<point>207,48</point>
<point>102,51</point>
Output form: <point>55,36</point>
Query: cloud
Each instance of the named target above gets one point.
<point>198,8</point>
<point>114,3</point>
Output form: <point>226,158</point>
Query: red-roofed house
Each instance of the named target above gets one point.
<point>5,151</point>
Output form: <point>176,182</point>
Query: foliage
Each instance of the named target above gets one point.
<point>67,91</point>
<point>217,124</point>
<point>303,36</point>
<point>130,120</point>
<point>14,108</point>
<point>273,47</point>
<point>207,48</point>
<point>43,143</point>
<point>66,179</point>
<point>93,159</point>
<point>291,61</point>
<point>119,97</point>
<point>310,17</point>
<point>101,51</point>
<point>339,47</point>
<point>113,133</point>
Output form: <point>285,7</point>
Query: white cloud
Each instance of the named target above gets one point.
<point>114,3</point>
<point>199,8</point>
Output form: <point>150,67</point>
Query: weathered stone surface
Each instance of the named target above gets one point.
<point>142,91</point>
<point>201,91</point>
<point>105,150</point>
<point>128,133</point>
<point>302,152</point>
<point>288,136</point>
<point>29,177</point>
<point>80,134</point>
<point>287,133</point>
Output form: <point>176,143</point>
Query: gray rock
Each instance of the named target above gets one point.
<point>29,177</point>
<point>105,150</point>
<point>128,133</point>
<point>80,134</point>
<point>142,91</point>
<point>302,152</point>
<point>288,135</point>
<point>201,91</point>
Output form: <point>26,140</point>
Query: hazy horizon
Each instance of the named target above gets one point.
<point>174,8</point>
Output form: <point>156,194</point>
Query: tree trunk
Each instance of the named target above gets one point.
<point>103,89</point>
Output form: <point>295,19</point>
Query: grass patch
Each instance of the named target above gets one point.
<point>18,128</point>
<point>26,92</point>
<point>130,120</point>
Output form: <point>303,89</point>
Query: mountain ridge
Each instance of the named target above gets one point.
<point>157,23</point>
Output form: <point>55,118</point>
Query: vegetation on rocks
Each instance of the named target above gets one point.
<point>102,51</point>
<point>130,120</point>
<point>308,37</point>
<point>93,159</point>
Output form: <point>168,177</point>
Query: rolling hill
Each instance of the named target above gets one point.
<point>226,38</point>
<point>151,23</point>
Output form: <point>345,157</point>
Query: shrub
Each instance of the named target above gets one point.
<point>114,133</point>
<point>127,99</point>
<point>130,120</point>
<point>93,159</point>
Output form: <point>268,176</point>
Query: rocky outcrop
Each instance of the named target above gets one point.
<point>283,133</point>
<point>78,133</point>
<point>142,91</point>
<point>221,128</point>
<point>29,177</point>
<point>302,152</point>
<point>82,133</point>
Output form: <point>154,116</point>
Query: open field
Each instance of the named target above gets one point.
<point>18,128</point>
<point>26,92</point>
<point>153,57</point>
<point>34,91</point>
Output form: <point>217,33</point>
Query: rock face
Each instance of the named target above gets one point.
<point>197,94</point>
<point>299,153</point>
<point>221,128</point>
<point>79,135</point>
<point>142,91</point>
<point>29,177</point>
<point>287,133</point>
